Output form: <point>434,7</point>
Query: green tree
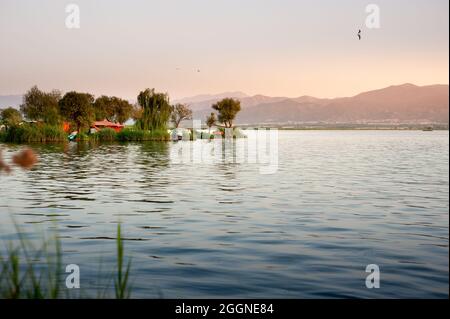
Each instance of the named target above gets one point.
<point>179,113</point>
<point>10,117</point>
<point>136,113</point>
<point>113,109</point>
<point>41,106</point>
<point>123,110</point>
<point>78,109</point>
<point>103,108</point>
<point>228,109</point>
<point>155,110</point>
<point>211,120</point>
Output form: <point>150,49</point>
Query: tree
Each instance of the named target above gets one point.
<point>78,109</point>
<point>123,110</point>
<point>41,106</point>
<point>103,108</point>
<point>112,108</point>
<point>211,120</point>
<point>179,113</point>
<point>155,110</point>
<point>136,113</point>
<point>227,108</point>
<point>10,117</point>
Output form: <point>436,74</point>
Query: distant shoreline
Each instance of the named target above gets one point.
<point>355,127</point>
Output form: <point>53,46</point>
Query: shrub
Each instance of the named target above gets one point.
<point>131,134</point>
<point>106,135</point>
<point>159,135</point>
<point>53,133</point>
<point>28,133</point>
<point>2,136</point>
<point>82,137</point>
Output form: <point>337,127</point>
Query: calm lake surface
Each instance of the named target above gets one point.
<point>340,200</point>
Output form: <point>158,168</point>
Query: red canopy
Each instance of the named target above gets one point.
<point>106,123</point>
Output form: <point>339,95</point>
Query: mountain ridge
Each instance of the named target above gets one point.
<point>404,103</point>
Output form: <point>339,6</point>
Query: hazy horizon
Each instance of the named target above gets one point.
<point>273,48</point>
<point>215,94</point>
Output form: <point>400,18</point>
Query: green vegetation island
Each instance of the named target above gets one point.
<point>52,117</point>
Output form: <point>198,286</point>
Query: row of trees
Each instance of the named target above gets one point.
<point>153,110</point>
<point>80,109</point>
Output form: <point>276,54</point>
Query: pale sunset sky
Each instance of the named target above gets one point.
<point>272,47</point>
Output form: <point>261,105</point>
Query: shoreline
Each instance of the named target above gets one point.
<point>165,140</point>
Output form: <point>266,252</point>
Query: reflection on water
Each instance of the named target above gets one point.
<point>339,201</point>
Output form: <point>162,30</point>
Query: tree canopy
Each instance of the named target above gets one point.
<point>78,109</point>
<point>156,110</point>
<point>211,120</point>
<point>227,109</point>
<point>113,109</point>
<point>41,106</point>
<point>179,113</point>
<point>10,117</point>
<point>103,108</point>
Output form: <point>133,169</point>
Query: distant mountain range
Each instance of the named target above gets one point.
<point>406,103</point>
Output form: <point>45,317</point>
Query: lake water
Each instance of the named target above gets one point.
<point>339,200</point>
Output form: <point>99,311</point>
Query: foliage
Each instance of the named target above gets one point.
<point>136,113</point>
<point>179,113</point>
<point>228,109</point>
<point>10,117</point>
<point>211,120</point>
<point>29,272</point>
<point>82,137</point>
<point>234,132</point>
<point>21,278</point>
<point>123,111</point>
<point>106,135</point>
<point>132,134</point>
<point>78,109</point>
<point>41,106</point>
<point>121,285</point>
<point>28,133</point>
<point>103,108</point>
<point>155,110</point>
<point>113,109</point>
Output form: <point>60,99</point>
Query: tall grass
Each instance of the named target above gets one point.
<point>121,286</point>
<point>133,134</point>
<point>106,135</point>
<point>24,275</point>
<point>27,133</point>
<point>21,276</point>
<point>2,136</point>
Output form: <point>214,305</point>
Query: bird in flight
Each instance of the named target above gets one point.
<point>359,34</point>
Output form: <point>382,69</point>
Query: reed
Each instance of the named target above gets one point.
<point>30,273</point>
<point>121,284</point>
<point>133,135</point>
<point>106,135</point>
<point>28,133</point>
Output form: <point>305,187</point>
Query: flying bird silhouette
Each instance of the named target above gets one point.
<point>359,34</point>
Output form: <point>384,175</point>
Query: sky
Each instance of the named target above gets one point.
<point>188,47</point>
